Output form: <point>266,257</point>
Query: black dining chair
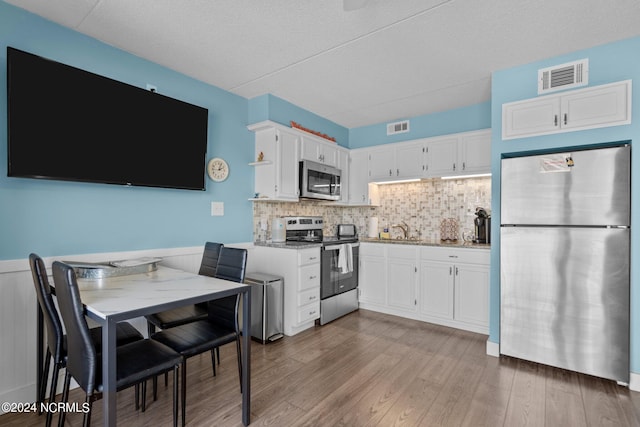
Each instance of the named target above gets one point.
<point>221,326</point>
<point>191,313</point>
<point>56,340</point>
<point>136,361</point>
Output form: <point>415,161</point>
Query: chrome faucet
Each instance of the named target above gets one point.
<point>404,227</point>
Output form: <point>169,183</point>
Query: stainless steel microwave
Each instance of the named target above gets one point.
<point>318,181</point>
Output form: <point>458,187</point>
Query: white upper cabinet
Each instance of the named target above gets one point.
<point>474,152</point>
<point>361,192</point>
<point>382,163</point>
<point>589,108</point>
<point>410,160</point>
<point>442,157</point>
<point>319,151</point>
<point>276,176</point>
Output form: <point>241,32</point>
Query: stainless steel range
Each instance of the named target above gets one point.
<point>338,267</point>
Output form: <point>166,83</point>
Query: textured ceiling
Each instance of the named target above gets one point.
<point>385,61</point>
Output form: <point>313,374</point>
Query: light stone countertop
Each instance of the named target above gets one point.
<point>428,242</point>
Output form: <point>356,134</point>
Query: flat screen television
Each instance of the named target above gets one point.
<point>69,124</point>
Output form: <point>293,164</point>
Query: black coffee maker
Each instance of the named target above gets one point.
<point>482,224</point>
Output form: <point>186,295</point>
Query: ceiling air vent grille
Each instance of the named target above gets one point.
<point>398,127</point>
<point>564,76</point>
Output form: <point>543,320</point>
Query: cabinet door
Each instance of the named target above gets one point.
<point>401,283</point>
<point>436,289</point>
<point>605,105</point>
<point>287,167</point>
<point>371,280</point>
<point>531,117</point>
<point>410,161</point>
<point>472,294</point>
<point>382,164</point>
<point>309,149</point>
<point>474,152</point>
<point>328,155</point>
<point>442,157</point>
<point>358,176</point>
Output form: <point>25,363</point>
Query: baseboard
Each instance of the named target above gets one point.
<point>493,349</point>
<point>634,381</point>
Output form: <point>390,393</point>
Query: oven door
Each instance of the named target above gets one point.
<point>339,269</point>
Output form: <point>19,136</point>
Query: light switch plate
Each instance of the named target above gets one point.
<point>217,208</point>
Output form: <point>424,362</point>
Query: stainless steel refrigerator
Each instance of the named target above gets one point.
<point>564,260</point>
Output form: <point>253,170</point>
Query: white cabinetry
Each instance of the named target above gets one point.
<point>361,192</point>
<point>447,286</point>
<point>319,151</point>
<point>442,156</point>
<point>588,108</point>
<point>409,160</point>
<point>401,277</point>
<point>301,272</point>
<point>382,163</point>
<point>276,177</point>
<point>372,277</point>
<point>454,287</point>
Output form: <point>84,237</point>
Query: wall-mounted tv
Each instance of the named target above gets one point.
<point>69,124</point>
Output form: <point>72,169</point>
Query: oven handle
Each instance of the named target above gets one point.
<point>336,247</point>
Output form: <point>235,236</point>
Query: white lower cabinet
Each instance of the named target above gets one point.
<point>301,272</point>
<point>447,286</point>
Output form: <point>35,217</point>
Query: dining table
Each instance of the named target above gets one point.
<point>109,300</point>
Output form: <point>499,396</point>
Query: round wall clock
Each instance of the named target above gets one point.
<point>217,169</point>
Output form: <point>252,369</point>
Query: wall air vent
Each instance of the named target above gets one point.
<point>564,76</point>
<point>398,127</point>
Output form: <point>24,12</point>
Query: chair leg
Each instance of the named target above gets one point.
<point>213,360</point>
<point>52,392</point>
<point>86,422</point>
<point>183,380</point>
<point>144,396</point>
<point>136,389</point>
<point>218,353</point>
<point>175,396</point>
<point>239,351</point>
<point>42,392</point>
<point>65,396</point>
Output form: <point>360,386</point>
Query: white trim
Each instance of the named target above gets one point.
<point>493,349</point>
<point>634,381</point>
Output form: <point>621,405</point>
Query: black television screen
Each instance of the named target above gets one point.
<point>69,124</point>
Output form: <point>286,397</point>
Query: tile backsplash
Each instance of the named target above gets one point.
<point>422,205</point>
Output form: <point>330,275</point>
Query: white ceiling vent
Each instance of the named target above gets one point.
<point>398,127</point>
<point>564,76</point>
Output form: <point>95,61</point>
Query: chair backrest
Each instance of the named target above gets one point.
<point>210,256</point>
<point>82,359</point>
<point>52,320</point>
<point>232,264</point>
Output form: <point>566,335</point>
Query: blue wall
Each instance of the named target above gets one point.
<point>464,119</point>
<point>270,107</point>
<point>58,218</point>
<point>608,63</point>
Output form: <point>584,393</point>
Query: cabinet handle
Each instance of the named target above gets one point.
<point>453,256</point>
<point>464,165</point>
<point>450,271</point>
<point>565,118</point>
<point>312,258</point>
<point>555,120</point>
<point>390,172</point>
<point>397,172</point>
<point>311,313</point>
<point>312,298</point>
<point>454,166</point>
<point>312,277</point>
<point>456,271</point>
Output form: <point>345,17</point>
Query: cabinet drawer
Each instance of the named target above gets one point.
<point>372,249</point>
<point>456,255</point>
<point>309,256</point>
<point>309,277</point>
<point>307,297</point>
<point>309,312</point>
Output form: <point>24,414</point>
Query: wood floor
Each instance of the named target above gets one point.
<point>370,369</point>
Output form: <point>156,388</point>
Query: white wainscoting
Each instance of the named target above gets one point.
<point>18,313</point>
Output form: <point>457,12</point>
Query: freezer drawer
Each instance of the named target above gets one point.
<point>588,187</point>
<point>565,298</point>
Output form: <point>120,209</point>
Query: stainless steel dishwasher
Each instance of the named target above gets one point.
<point>267,304</point>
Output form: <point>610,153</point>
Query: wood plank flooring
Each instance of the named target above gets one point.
<point>371,369</point>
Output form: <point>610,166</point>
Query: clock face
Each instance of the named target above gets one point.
<point>218,169</point>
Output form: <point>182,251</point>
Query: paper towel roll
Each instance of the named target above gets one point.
<point>373,227</point>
